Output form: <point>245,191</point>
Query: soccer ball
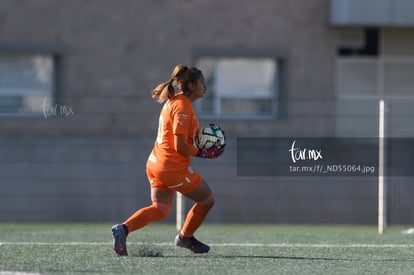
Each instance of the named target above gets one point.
<point>209,136</point>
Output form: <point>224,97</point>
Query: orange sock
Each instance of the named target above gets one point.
<point>147,215</point>
<point>196,216</point>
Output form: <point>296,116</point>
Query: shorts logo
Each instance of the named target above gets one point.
<point>191,170</point>
<point>175,186</point>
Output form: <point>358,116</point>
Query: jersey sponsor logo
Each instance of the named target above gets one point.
<point>181,118</point>
<point>184,116</point>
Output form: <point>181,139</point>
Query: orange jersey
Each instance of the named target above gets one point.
<point>177,117</point>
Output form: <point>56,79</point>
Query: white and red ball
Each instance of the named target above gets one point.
<point>209,136</point>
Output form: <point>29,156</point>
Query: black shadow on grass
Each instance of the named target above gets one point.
<point>153,252</point>
<point>311,258</point>
<point>316,258</point>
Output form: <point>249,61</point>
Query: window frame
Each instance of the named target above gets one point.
<point>58,56</point>
<point>279,106</point>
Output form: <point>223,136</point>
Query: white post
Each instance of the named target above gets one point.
<point>382,188</point>
<point>180,215</point>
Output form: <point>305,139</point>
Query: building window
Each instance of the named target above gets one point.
<point>241,85</point>
<point>28,81</point>
<point>382,68</point>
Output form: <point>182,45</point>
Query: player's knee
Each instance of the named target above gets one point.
<point>163,209</point>
<point>209,201</point>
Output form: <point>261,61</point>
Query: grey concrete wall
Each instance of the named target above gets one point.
<point>95,179</point>
<point>115,52</point>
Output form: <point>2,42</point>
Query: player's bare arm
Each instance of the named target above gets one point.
<point>182,147</point>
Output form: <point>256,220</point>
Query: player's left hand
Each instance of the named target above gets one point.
<point>211,153</point>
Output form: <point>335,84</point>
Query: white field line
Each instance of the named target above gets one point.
<point>17,273</point>
<point>300,245</point>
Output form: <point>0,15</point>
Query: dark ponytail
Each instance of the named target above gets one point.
<point>164,91</point>
<point>180,77</point>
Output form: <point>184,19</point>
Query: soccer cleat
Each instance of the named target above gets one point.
<point>120,232</point>
<point>191,243</point>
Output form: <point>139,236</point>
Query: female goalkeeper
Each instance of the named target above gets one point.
<point>168,166</point>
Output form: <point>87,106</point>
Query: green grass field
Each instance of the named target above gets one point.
<point>235,249</point>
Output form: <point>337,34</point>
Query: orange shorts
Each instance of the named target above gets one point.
<point>182,181</point>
